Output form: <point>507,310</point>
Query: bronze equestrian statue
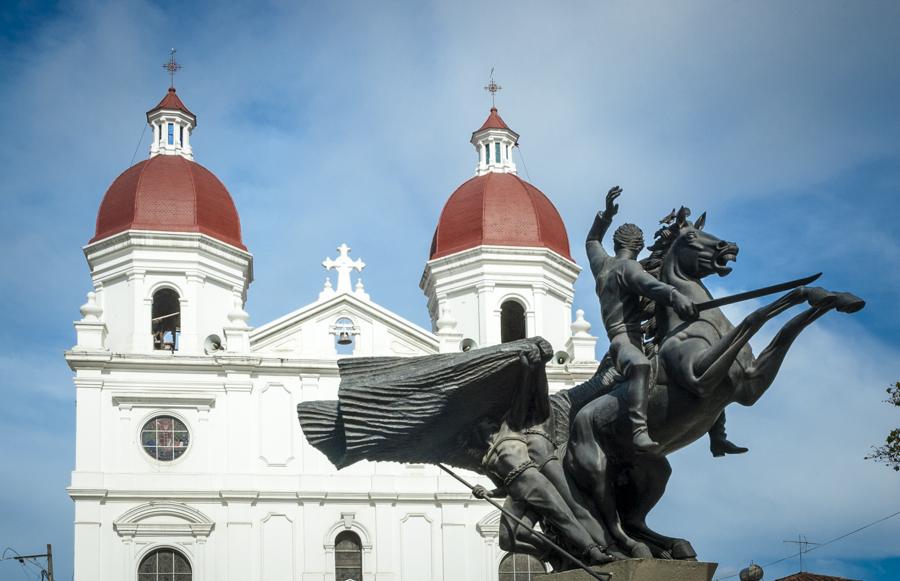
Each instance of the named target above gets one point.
<point>675,363</point>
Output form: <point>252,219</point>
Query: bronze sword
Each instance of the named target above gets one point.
<point>760,292</point>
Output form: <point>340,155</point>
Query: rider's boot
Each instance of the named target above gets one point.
<point>719,444</point>
<point>637,409</point>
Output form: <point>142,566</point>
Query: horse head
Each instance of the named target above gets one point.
<point>693,253</point>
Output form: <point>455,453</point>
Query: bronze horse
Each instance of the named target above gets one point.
<point>702,366</point>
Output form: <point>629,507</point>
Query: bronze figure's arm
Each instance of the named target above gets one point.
<point>597,255</point>
<point>640,282</point>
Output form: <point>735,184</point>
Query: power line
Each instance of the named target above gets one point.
<point>803,544</point>
<point>45,573</point>
<point>522,157</point>
<point>141,140</point>
<point>825,544</point>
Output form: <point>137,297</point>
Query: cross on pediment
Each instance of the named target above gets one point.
<point>344,266</point>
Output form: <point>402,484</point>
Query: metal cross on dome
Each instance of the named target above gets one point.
<point>344,266</point>
<point>172,67</point>
<point>492,88</point>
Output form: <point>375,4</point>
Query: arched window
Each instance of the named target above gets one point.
<point>164,565</point>
<point>166,319</point>
<point>520,567</point>
<point>347,557</point>
<point>512,321</point>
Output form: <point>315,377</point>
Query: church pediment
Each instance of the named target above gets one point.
<point>312,331</point>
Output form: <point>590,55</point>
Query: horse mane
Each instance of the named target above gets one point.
<point>662,243</point>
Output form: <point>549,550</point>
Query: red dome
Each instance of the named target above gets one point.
<point>498,209</point>
<point>168,193</point>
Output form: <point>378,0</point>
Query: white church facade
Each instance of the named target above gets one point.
<point>190,462</point>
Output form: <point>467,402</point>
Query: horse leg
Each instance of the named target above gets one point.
<point>760,374</point>
<point>590,465</point>
<point>710,366</point>
<point>647,481</point>
<point>554,472</point>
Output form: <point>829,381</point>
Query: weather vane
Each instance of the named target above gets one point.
<point>492,88</point>
<point>173,67</point>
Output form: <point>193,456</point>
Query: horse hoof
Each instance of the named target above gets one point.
<point>819,298</point>
<point>598,557</point>
<point>641,551</point>
<point>849,303</point>
<point>682,550</point>
<point>616,552</point>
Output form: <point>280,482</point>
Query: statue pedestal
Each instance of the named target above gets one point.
<point>642,570</point>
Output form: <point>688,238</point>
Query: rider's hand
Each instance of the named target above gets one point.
<point>532,357</point>
<point>682,305</point>
<point>479,491</point>
<point>611,206</point>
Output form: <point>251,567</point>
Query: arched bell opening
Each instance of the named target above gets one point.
<point>166,320</point>
<point>512,321</point>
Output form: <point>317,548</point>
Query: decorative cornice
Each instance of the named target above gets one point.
<point>169,401</point>
<point>193,522</point>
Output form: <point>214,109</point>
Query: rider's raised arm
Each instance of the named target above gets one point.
<point>639,282</point>
<point>596,253</point>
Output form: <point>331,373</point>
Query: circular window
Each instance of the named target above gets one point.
<point>165,438</point>
<point>520,567</point>
<point>164,565</point>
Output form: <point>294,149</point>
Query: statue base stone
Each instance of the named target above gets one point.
<point>641,570</point>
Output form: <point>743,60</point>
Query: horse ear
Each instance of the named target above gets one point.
<point>701,221</point>
<point>681,219</point>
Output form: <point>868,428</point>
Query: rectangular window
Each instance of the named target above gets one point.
<point>497,151</point>
<point>171,134</point>
<point>181,134</point>
<point>487,153</point>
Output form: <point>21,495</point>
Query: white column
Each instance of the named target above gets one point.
<point>386,567</point>
<point>536,323</point>
<point>484,318</point>
<point>88,557</point>
<point>186,146</point>
<point>190,340</point>
<point>154,141</point>
<point>142,338</point>
<point>88,452</point>
<point>125,444</point>
<point>239,566</point>
<point>454,538</point>
<point>238,388</point>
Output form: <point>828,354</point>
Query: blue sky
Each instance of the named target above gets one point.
<point>349,122</point>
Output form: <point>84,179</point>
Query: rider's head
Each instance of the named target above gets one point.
<point>485,428</point>
<point>628,237</point>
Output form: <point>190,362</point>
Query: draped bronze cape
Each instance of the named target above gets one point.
<point>426,409</point>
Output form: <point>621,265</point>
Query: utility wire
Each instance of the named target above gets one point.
<point>29,560</point>
<point>834,540</point>
<point>141,140</point>
<point>522,157</point>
